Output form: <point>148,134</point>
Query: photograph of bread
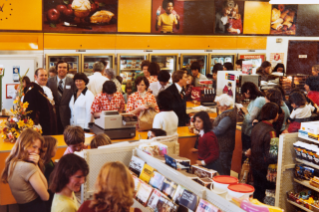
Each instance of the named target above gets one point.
<point>283,19</point>
<point>80,16</point>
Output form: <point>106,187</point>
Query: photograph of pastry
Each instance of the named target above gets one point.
<point>283,19</point>
<point>80,16</point>
<point>229,17</point>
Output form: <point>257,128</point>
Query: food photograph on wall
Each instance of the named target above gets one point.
<point>229,15</point>
<point>283,19</point>
<point>167,16</point>
<point>80,16</point>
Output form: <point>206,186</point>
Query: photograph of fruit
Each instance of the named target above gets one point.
<point>283,19</point>
<point>80,16</point>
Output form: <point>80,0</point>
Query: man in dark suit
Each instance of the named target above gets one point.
<point>62,88</point>
<point>179,101</point>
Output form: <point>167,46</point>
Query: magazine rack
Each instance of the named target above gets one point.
<point>123,152</point>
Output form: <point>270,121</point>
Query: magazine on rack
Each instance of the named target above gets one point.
<point>189,200</point>
<point>146,173</point>
<point>143,193</point>
<point>157,180</point>
<point>169,187</point>
<point>136,165</point>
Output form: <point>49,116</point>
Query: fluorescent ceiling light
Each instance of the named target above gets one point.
<point>293,2</point>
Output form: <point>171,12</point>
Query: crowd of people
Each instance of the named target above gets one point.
<point>65,105</point>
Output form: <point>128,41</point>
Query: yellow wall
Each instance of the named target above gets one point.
<point>257,17</point>
<point>25,15</point>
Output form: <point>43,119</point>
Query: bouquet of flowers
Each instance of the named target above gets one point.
<point>19,120</point>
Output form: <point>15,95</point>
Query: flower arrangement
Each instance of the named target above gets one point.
<point>18,121</point>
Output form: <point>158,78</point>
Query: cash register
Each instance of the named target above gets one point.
<point>115,125</point>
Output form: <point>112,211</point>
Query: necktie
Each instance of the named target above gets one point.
<point>60,88</point>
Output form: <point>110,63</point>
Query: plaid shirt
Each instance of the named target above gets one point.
<point>135,101</point>
<point>152,79</point>
<point>102,103</point>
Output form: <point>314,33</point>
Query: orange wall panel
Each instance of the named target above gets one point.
<point>134,16</point>
<point>222,42</point>
<point>251,42</point>
<point>21,15</point>
<point>257,17</point>
<point>21,41</point>
<point>147,42</point>
<point>78,41</point>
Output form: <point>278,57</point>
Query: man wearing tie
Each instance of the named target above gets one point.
<point>179,100</point>
<point>161,84</point>
<point>62,88</point>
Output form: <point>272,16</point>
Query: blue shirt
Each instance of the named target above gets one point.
<point>285,108</point>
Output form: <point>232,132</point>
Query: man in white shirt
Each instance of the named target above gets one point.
<point>195,68</point>
<point>97,80</point>
<point>162,83</point>
<point>41,78</point>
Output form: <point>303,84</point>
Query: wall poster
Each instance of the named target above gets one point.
<point>226,83</point>
<point>229,16</point>
<point>276,58</point>
<point>283,19</point>
<point>80,16</point>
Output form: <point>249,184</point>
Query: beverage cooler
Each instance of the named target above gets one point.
<point>89,59</point>
<point>129,65</point>
<point>188,59</point>
<point>221,58</point>
<point>166,62</point>
<point>73,60</point>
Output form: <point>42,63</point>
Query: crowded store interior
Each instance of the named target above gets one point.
<point>159,105</point>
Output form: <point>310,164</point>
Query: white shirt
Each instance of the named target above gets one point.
<point>179,88</point>
<point>58,81</point>
<point>155,87</point>
<point>47,92</point>
<point>81,109</point>
<point>199,77</point>
<point>96,82</point>
<point>302,112</point>
<point>167,121</point>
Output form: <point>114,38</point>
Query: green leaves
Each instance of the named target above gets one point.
<point>66,2</point>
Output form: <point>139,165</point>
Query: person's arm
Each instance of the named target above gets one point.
<point>222,127</point>
<point>157,124</point>
<point>177,21</point>
<point>39,187</point>
<point>158,23</point>
<point>153,102</point>
<point>212,145</point>
<point>96,107</point>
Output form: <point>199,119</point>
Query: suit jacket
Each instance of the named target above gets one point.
<point>62,108</point>
<point>179,105</point>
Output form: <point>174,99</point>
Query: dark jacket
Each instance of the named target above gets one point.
<point>42,110</point>
<point>179,105</point>
<point>226,138</point>
<point>261,135</point>
<point>208,148</point>
<point>62,108</point>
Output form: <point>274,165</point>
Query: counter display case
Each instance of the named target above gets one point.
<point>89,59</point>
<point>221,58</point>
<point>188,59</point>
<point>129,65</point>
<point>166,62</point>
<point>73,60</point>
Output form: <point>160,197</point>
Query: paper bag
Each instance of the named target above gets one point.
<point>145,120</point>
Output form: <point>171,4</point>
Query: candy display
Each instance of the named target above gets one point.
<point>303,172</point>
<point>308,152</point>
<point>306,198</point>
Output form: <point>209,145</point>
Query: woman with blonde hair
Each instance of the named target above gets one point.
<point>115,190</point>
<point>23,171</point>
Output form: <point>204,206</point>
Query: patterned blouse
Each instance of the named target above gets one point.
<point>152,79</point>
<point>135,100</point>
<point>102,103</point>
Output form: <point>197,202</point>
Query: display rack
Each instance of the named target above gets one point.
<point>166,62</point>
<point>129,65</point>
<point>73,60</point>
<point>187,59</point>
<point>285,171</point>
<point>89,59</point>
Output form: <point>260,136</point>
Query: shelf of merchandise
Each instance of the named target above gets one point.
<point>175,56</point>
<point>307,163</point>
<point>233,55</point>
<point>307,139</point>
<point>307,184</point>
<point>299,206</point>
<point>110,60</point>
<point>192,58</point>
<point>64,57</point>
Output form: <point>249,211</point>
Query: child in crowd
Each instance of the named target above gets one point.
<point>51,146</point>
<point>100,140</point>
<point>167,20</point>
<point>301,111</point>
<point>128,91</point>
<point>206,145</point>
<point>74,137</point>
<point>155,133</point>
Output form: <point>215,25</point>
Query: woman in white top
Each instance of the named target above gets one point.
<point>166,119</point>
<point>81,101</point>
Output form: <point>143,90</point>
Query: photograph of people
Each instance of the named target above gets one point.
<point>165,22</point>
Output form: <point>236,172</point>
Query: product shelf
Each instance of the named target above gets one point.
<point>307,163</point>
<point>299,206</point>
<point>307,184</point>
<point>308,139</point>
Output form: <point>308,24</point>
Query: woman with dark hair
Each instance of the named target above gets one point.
<point>152,133</point>
<point>279,68</point>
<point>141,99</point>
<point>81,101</point>
<point>151,74</point>
<point>261,136</point>
<point>264,70</point>
<point>206,145</point>
<point>228,66</point>
<point>67,178</point>
<point>108,100</point>
<point>217,67</point>
<point>239,64</point>
<point>312,89</point>
<point>166,119</point>
<point>250,91</point>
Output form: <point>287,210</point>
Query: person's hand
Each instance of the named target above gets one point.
<point>177,16</point>
<point>194,150</point>
<point>285,131</point>
<point>244,110</point>
<point>199,162</point>
<point>196,131</point>
<point>34,158</point>
<point>143,107</point>
<point>232,30</point>
<point>248,153</point>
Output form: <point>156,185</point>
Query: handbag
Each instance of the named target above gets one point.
<point>145,119</point>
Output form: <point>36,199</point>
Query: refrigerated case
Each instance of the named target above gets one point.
<point>221,58</point>
<point>188,59</point>
<point>166,62</point>
<point>73,60</point>
<point>129,65</point>
<point>89,59</point>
